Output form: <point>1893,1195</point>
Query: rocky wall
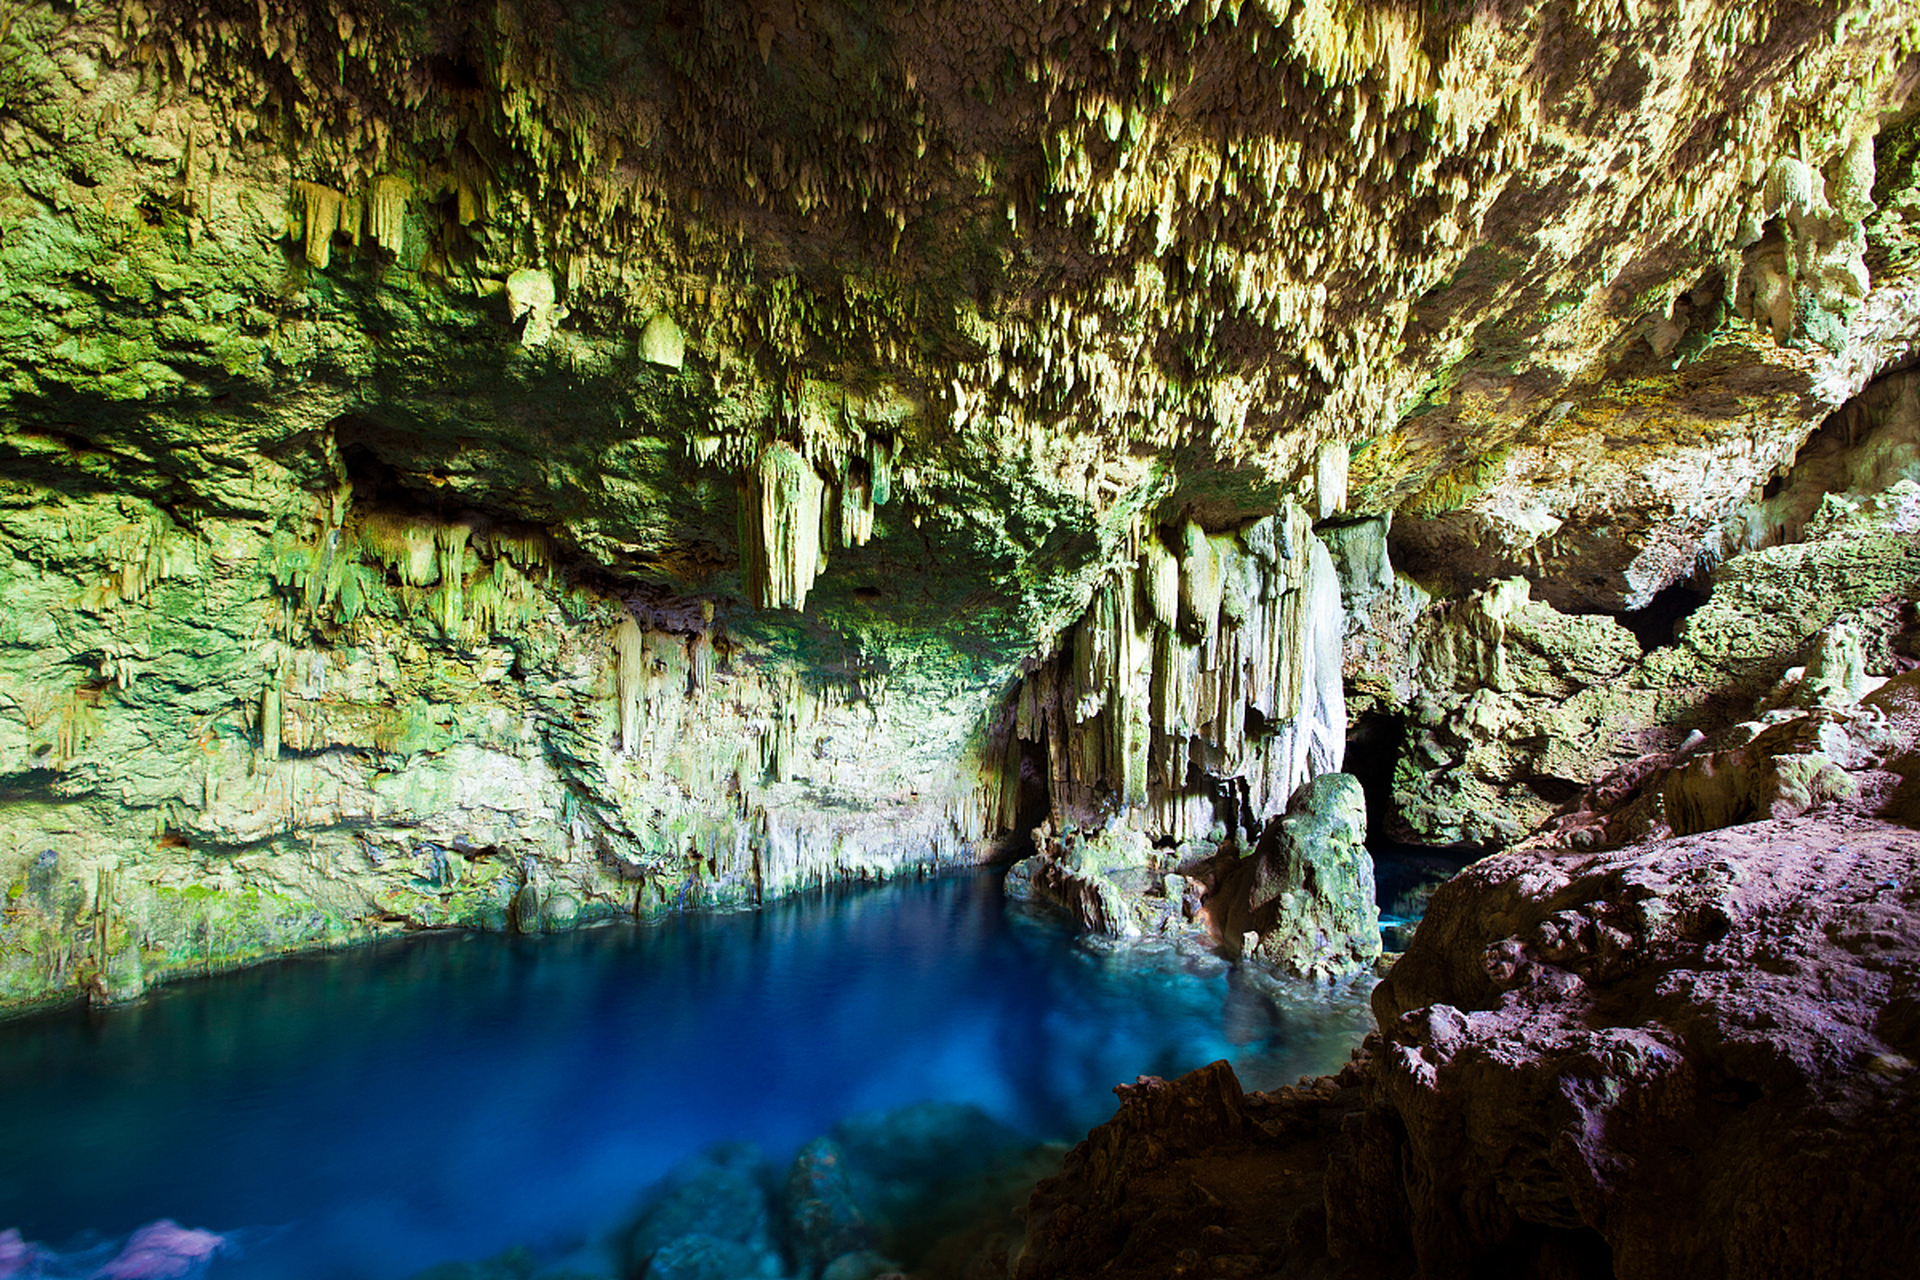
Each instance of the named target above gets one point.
<point>1515,706</point>
<point>607,456</point>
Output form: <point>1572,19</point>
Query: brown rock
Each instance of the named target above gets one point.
<point>1686,1058</point>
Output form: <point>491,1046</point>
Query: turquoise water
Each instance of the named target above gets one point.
<point>373,1112</point>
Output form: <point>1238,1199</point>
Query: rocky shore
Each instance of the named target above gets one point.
<point>1689,1057</point>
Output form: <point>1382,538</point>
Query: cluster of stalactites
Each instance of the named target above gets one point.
<point>791,514</point>
<point>1202,685</point>
<point>656,672</point>
<point>315,213</point>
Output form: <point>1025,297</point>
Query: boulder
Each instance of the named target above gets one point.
<point>712,1209</point>
<point>1689,1057</point>
<point>823,1217</point>
<point>1306,894</point>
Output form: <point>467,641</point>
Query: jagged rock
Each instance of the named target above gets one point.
<point>1691,1057</point>
<point>1111,882</point>
<point>1695,1056</point>
<point>1382,607</point>
<point>1513,697</point>
<point>1190,1177</point>
<point>1834,740</point>
<point>1303,899</point>
<point>1521,707</point>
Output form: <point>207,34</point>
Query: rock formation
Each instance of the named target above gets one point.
<point>527,466</point>
<point>523,464</point>
<point>1689,1057</point>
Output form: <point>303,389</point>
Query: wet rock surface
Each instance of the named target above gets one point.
<point>1300,898</point>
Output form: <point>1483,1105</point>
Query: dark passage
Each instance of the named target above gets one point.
<point>1656,624</point>
<point>1405,875</point>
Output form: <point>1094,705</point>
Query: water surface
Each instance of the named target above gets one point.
<point>373,1112</point>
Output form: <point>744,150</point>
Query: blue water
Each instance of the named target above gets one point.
<point>373,1112</point>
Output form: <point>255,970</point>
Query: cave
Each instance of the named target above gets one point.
<point>1656,624</point>
<point>852,640</point>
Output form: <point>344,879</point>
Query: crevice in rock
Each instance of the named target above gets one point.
<point>1032,800</point>
<point>1405,874</point>
<point>1375,740</point>
<point>1656,624</point>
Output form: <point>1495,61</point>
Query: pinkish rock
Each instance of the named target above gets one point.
<point>1694,1057</point>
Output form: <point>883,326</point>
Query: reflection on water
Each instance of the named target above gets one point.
<point>373,1112</point>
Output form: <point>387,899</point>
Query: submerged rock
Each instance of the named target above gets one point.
<point>711,1216</point>
<point>698,1256</point>
<point>863,1264</point>
<point>824,1219</point>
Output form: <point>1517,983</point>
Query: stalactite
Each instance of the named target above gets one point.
<point>1131,705</point>
<point>630,669</point>
<point>321,211</point>
<point>1160,582</point>
<point>701,654</point>
<point>386,204</point>
<point>880,454</point>
<point>781,536</point>
<point>1330,478</point>
<point>1200,582</point>
<point>270,718</point>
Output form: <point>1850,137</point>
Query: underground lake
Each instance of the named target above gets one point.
<point>453,1095</point>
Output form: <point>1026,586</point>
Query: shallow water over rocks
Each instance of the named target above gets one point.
<point>375,1112</point>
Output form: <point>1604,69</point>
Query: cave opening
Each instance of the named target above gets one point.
<point>1405,873</point>
<point>1656,624</point>
<point>1375,740</point>
<point>1033,803</point>
<point>379,485</point>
